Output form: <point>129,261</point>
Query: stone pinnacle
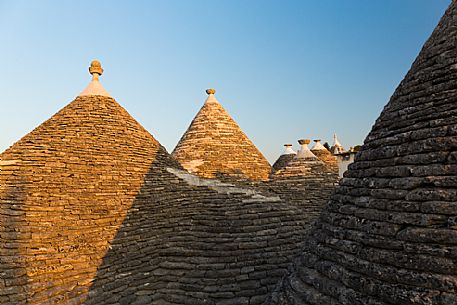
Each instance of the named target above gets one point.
<point>304,141</point>
<point>95,69</point>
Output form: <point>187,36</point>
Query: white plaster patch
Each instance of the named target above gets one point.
<point>304,152</point>
<point>211,99</point>
<point>219,186</point>
<point>289,151</point>
<point>318,146</point>
<point>95,88</point>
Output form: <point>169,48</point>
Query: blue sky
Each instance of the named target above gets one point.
<point>284,70</point>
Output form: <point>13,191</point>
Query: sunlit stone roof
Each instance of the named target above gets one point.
<point>214,145</point>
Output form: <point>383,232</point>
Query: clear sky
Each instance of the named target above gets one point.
<point>284,70</point>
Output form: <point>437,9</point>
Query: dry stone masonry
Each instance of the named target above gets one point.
<point>305,182</point>
<point>389,235</point>
<point>215,146</point>
<point>93,210</point>
<point>284,158</point>
<point>324,154</point>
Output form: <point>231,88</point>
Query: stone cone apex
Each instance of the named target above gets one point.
<point>303,164</point>
<point>211,98</point>
<point>386,235</point>
<point>304,151</point>
<point>284,158</point>
<point>90,193</point>
<point>324,154</point>
<point>95,87</point>
<point>288,150</point>
<point>215,146</point>
<point>318,145</point>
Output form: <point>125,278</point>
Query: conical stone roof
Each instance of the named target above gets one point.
<point>388,235</point>
<point>305,182</point>
<point>93,210</point>
<point>214,145</point>
<point>324,154</point>
<point>284,158</point>
<point>304,164</point>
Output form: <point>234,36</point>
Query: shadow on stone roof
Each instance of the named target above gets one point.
<point>187,240</point>
<point>388,234</point>
<point>13,270</point>
<point>94,210</point>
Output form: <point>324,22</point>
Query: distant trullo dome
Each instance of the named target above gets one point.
<point>324,154</point>
<point>389,234</point>
<point>214,146</point>
<point>305,182</point>
<point>304,164</point>
<point>284,158</point>
<point>93,210</point>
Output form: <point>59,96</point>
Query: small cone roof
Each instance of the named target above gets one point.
<point>303,164</point>
<point>323,154</point>
<point>288,150</point>
<point>304,152</point>
<point>305,182</point>
<point>215,145</point>
<point>284,158</point>
<point>386,235</point>
<point>318,145</point>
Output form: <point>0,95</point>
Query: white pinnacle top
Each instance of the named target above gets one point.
<point>95,87</point>
<point>318,145</point>
<point>211,98</point>
<point>289,150</point>
<point>335,141</point>
<point>304,151</point>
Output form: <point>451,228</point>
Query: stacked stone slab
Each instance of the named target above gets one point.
<point>215,146</point>
<point>389,234</point>
<point>305,182</point>
<point>93,210</point>
<point>284,158</point>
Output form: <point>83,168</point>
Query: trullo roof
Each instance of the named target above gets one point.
<point>214,145</point>
<point>323,154</point>
<point>93,210</point>
<point>305,182</point>
<point>303,164</point>
<point>284,158</point>
<point>388,235</point>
